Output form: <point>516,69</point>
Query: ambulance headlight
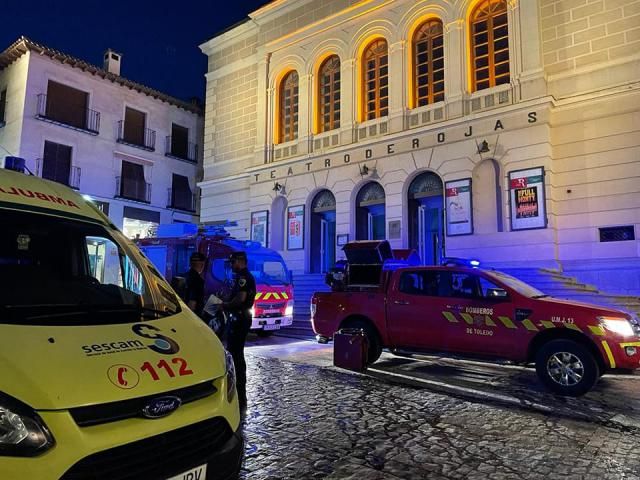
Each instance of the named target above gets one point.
<point>231,376</point>
<point>617,325</point>
<point>288,311</point>
<point>22,431</point>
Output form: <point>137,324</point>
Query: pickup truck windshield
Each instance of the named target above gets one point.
<point>518,285</point>
<point>59,271</point>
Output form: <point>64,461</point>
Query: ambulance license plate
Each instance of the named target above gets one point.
<point>198,473</point>
<point>270,327</point>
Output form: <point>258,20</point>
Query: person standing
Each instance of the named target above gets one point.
<point>239,306</point>
<point>194,287</point>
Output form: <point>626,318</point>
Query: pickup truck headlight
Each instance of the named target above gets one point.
<point>230,373</point>
<point>619,326</point>
<point>22,431</point>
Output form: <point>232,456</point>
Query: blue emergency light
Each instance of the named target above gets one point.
<point>17,164</point>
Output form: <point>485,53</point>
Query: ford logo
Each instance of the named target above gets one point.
<point>161,407</point>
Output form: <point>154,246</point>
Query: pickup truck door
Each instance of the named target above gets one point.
<point>480,317</point>
<point>413,310</point>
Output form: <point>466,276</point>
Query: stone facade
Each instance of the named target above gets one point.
<point>571,107</point>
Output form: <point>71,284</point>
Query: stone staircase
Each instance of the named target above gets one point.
<point>560,285</point>
<point>304,285</point>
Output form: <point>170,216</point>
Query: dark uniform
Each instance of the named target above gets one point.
<point>194,285</point>
<point>240,324</point>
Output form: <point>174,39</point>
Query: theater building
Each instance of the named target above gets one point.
<point>503,130</point>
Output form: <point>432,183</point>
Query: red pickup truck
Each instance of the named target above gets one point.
<point>479,313</point>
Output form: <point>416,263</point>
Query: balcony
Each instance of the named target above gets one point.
<point>69,116</point>
<point>69,176</point>
<point>181,200</point>
<point>144,138</point>
<point>133,189</point>
<point>182,151</point>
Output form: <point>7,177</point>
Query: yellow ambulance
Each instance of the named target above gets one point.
<point>104,372</point>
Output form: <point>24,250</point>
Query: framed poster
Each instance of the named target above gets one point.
<point>260,227</point>
<point>295,227</point>
<point>459,207</point>
<point>527,199</point>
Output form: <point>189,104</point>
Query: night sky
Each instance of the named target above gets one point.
<point>159,40</point>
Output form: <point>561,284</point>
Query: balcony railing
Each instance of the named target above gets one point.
<point>144,138</point>
<point>185,151</point>
<point>66,115</point>
<point>66,176</point>
<point>133,189</point>
<point>181,200</point>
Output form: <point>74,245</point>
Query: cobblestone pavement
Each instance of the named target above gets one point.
<point>308,420</point>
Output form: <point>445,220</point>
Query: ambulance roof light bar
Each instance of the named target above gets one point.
<point>17,164</point>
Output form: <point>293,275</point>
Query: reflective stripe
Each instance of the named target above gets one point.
<point>258,295</point>
<point>284,295</point>
<point>631,344</point>
<point>276,296</point>
<point>529,325</point>
<point>507,322</point>
<point>467,318</point>
<point>572,326</point>
<point>489,321</point>
<point>547,324</point>
<point>597,330</point>
<point>612,361</point>
<point>266,296</point>
<point>450,316</point>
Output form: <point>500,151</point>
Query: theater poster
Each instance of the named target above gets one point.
<point>458,205</point>
<point>260,226</point>
<point>527,199</point>
<point>295,227</point>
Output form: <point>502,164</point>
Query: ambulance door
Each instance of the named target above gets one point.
<point>413,306</point>
<point>479,316</point>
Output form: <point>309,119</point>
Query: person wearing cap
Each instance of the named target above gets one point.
<point>194,288</point>
<point>239,305</point>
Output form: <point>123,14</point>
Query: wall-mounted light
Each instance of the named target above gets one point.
<point>278,188</point>
<point>364,170</point>
<point>483,147</point>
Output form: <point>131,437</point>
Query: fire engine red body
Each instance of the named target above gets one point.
<point>170,251</point>
<point>470,311</point>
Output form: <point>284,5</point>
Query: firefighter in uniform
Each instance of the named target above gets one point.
<point>239,306</point>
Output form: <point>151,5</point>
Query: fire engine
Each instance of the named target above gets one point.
<point>174,243</point>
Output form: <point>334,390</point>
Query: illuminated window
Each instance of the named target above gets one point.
<point>428,61</point>
<point>490,44</point>
<point>329,94</point>
<point>376,80</point>
<point>289,107</point>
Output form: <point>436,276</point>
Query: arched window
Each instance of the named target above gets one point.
<point>375,80</point>
<point>329,94</point>
<point>489,44</point>
<point>428,61</point>
<point>289,107</point>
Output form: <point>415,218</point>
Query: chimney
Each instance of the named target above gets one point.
<point>112,61</point>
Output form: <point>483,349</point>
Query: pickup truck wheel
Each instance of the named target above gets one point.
<point>567,368</point>
<point>375,345</point>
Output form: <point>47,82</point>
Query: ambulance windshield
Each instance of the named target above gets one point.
<point>63,271</point>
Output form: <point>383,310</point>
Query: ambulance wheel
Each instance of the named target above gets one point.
<point>567,367</point>
<point>264,333</point>
<point>373,339</point>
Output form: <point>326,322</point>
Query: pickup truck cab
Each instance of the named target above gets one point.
<point>479,313</point>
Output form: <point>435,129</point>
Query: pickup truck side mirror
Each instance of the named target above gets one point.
<point>496,294</point>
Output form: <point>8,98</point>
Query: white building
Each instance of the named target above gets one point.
<point>505,130</point>
<point>133,149</point>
